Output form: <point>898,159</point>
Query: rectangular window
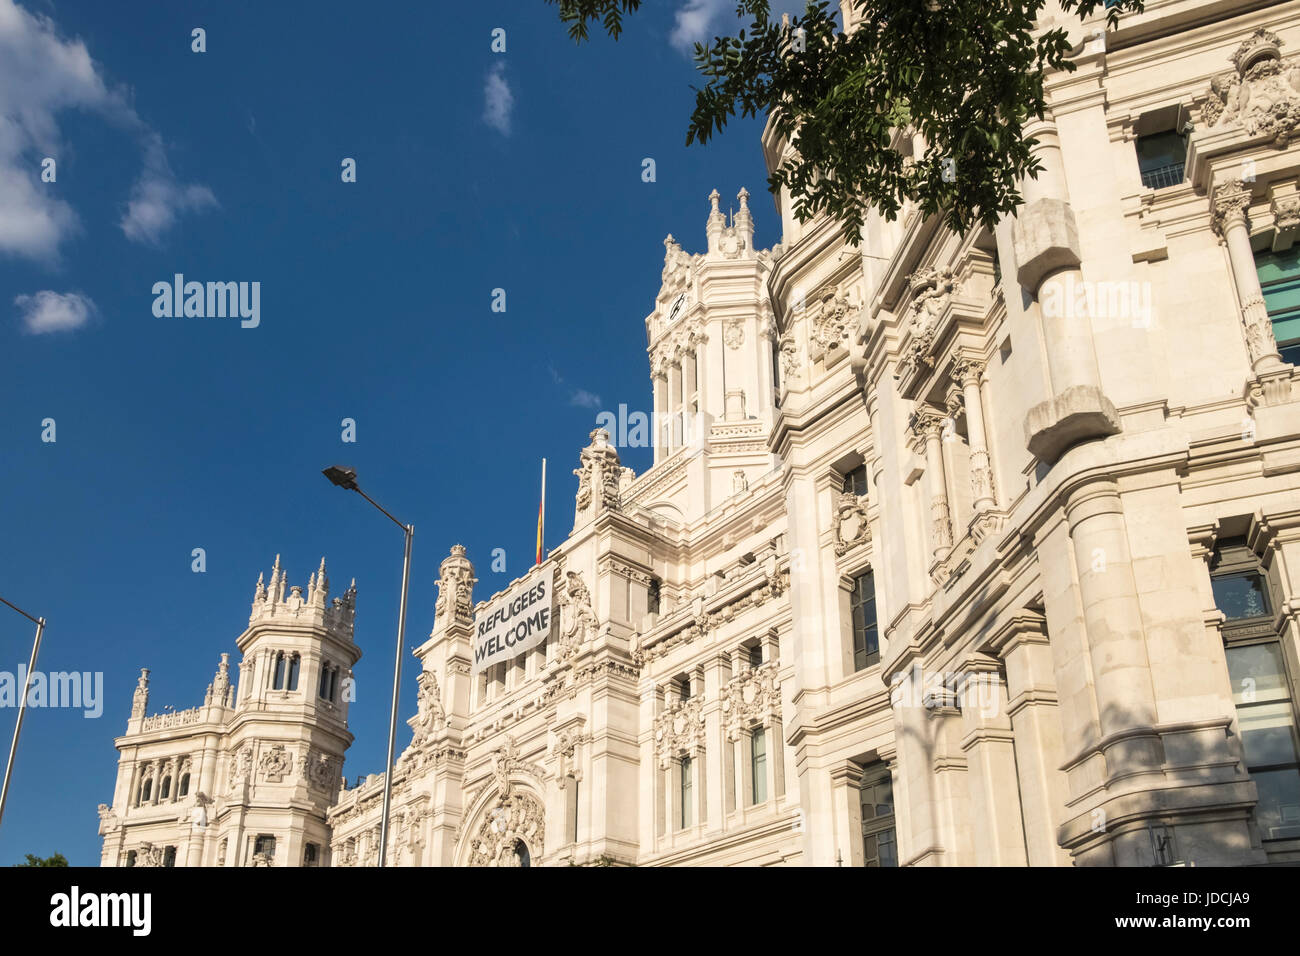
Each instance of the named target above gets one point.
<point>311,855</point>
<point>1266,719</point>
<point>1279,277</point>
<point>1161,157</point>
<point>755,654</point>
<point>855,482</point>
<point>758,763</point>
<point>1240,595</point>
<point>866,639</point>
<point>879,843</point>
<point>686,789</point>
<point>653,597</point>
<point>571,822</point>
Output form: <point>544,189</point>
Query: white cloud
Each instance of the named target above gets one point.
<point>41,75</point>
<point>696,22</point>
<point>54,311</point>
<point>498,101</point>
<point>584,399</point>
<point>157,200</point>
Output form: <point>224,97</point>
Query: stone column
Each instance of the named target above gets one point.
<point>846,787</point>
<point>967,373</point>
<point>1231,201</point>
<point>674,405</point>
<point>928,427</point>
<point>1036,728</point>
<point>1112,619</point>
<point>989,744</point>
<point>1045,237</point>
<point>657,437</point>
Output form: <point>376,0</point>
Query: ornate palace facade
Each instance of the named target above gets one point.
<point>955,550</point>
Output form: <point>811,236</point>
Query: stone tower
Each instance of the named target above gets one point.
<point>246,778</point>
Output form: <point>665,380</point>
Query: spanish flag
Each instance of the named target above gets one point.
<point>541,517</point>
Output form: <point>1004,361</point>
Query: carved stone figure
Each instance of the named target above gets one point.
<point>140,699</point>
<point>1262,93</point>
<point>430,715</point>
<point>577,619</point>
<point>456,585</point>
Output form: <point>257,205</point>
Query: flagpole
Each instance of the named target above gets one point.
<point>541,521</point>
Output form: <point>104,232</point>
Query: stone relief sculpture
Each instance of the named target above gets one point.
<point>456,585</point>
<point>140,699</point>
<point>1261,93</point>
<point>275,763</point>
<point>577,619</point>
<point>430,715</point>
<point>851,525</point>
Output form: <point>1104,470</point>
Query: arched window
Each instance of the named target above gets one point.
<point>334,684</point>
<point>278,682</point>
<point>165,790</point>
<point>130,858</point>
<point>185,786</point>
<point>521,852</point>
<point>295,664</point>
<point>146,791</point>
<point>323,692</point>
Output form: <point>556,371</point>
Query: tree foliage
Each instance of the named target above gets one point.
<point>966,74</point>
<point>57,860</point>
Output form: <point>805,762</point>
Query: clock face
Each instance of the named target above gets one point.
<point>679,303</point>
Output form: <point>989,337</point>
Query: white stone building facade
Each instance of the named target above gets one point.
<point>956,550</point>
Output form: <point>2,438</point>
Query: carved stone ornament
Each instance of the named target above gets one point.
<point>678,266</point>
<point>932,288</point>
<point>733,334</point>
<point>241,767</point>
<point>320,770</point>
<point>831,316</point>
<point>851,524</point>
<point>752,697</point>
<point>275,763</point>
<point>679,730</point>
<point>517,818</point>
<point>140,699</point>
<point>456,585</point>
<point>1261,93</point>
<point>599,474</point>
<point>430,715</point>
<point>790,359</point>
<point>577,619</point>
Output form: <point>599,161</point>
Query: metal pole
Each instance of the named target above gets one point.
<point>22,708</point>
<point>397,685</point>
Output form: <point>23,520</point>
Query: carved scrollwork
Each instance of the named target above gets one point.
<point>679,730</point>
<point>851,524</point>
<point>1261,93</point>
<point>752,697</point>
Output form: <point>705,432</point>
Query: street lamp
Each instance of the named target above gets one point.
<point>347,478</point>
<point>22,703</point>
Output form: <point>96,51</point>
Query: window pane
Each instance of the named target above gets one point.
<point>1257,673</point>
<point>1278,811</point>
<point>1239,595</point>
<point>758,766</point>
<point>888,848</point>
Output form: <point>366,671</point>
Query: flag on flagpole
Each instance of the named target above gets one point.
<point>541,517</point>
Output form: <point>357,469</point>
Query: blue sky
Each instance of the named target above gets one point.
<point>475,171</point>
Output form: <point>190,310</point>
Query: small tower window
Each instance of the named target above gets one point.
<point>146,791</point>
<point>311,855</point>
<point>754,654</point>
<point>295,664</point>
<point>264,845</point>
<point>166,790</point>
<point>855,482</point>
<point>278,682</point>
<point>169,856</point>
<point>130,858</point>
<point>185,786</point>
<point>653,596</point>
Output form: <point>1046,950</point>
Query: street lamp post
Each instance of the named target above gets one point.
<point>22,702</point>
<point>347,478</point>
